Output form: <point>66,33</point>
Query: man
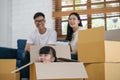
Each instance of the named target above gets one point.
<point>41,36</point>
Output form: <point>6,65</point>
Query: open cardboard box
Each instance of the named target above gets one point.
<point>6,66</point>
<point>55,70</point>
<point>93,48</point>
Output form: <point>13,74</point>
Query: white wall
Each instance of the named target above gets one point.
<point>5,23</point>
<point>16,19</point>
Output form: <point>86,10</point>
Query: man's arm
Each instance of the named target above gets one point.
<point>27,47</point>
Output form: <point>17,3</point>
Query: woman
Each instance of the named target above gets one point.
<point>74,26</point>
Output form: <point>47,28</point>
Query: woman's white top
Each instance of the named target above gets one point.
<point>74,41</point>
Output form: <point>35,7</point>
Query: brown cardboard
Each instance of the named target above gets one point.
<point>33,72</point>
<point>10,76</point>
<point>103,71</point>
<point>112,51</point>
<point>6,66</point>
<point>93,48</point>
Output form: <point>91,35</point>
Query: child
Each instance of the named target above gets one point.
<point>47,54</point>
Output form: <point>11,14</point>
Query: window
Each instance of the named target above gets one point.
<point>94,13</point>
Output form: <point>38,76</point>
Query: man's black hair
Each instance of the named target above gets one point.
<point>38,14</point>
<point>46,50</point>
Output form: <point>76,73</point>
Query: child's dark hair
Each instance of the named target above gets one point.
<point>38,14</point>
<point>46,50</point>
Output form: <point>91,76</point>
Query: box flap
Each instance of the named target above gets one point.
<point>61,51</point>
<point>18,69</point>
<point>9,76</point>
<point>91,45</point>
<point>91,35</point>
<point>60,70</point>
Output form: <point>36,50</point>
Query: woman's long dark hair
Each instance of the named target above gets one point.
<point>69,29</point>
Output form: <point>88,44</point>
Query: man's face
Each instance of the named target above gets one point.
<point>46,58</point>
<point>39,22</point>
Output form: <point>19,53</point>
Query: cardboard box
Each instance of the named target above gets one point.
<point>93,48</point>
<point>103,71</point>
<point>55,70</point>
<point>6,66</point>
<point>10,76</point>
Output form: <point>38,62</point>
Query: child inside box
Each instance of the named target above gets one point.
<point>48,54</point>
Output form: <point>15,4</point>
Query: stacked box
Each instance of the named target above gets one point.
<point>6,66</point>
<point>101,58</point>
<point>103,71</point>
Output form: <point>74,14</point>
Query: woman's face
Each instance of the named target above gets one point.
<point>46,58</point>
<point>73,21</point>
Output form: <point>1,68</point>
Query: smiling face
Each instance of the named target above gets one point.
<point>73,21</point>
<point>47,54</point>
<point>40,22</point>
<point>46,58</point>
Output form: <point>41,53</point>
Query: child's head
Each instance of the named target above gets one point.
<point>47,54</point>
